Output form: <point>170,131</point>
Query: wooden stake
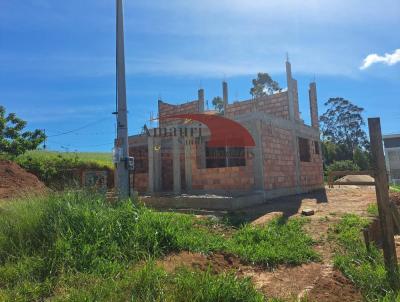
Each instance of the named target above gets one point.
<point>382,196</point>
<point>367,239</point>
<point>396,217</point>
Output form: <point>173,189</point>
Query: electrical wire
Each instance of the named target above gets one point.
<point>85,146</point>
<point>80,128</point>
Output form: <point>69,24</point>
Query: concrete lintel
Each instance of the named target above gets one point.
<point>301,129</point>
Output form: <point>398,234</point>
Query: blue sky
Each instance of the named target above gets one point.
<point>57,67</point>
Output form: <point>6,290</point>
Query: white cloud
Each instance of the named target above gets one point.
<point>388,59</point>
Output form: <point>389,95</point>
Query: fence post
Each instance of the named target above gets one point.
<point>382,196</point>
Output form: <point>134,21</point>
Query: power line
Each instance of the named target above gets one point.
<point>86,146</point>
<point>80,128</point>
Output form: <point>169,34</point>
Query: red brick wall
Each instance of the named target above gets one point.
<point>276,104</point>
<point>228,178</point>
<point>140,153</point>
<point>311,172</point>
<point>279,157</point>
<point>141,182</point>
<point>165,109</point>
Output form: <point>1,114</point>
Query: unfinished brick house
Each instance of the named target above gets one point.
<point>285,160</point>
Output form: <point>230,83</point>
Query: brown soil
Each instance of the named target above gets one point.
<point>15,181</point>
<point>316,281</point>
<point>395,197</point>
<point>334,287</point>
<point>216,263</point>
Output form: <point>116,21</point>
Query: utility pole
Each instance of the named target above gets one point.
<point>121,143</point>
<point>45,139</point>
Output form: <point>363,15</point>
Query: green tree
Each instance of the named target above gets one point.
<point>342,124</point>
<point>343,165</point>
<point>13,140</point>
<point>263,85</point>
<point>329,151</point>
<point>362,158</point>
<point>218,104</point>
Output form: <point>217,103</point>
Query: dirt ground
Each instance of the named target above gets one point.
<point>15,181</point>
<point>316,281</point>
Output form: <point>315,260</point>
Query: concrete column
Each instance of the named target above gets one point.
<point>296,100</point>
<point>258,160</point>
<point>312,92</point>
<point>289,81</point>
<point>157,164</point>
<point>200,94</point>
<point>150,146</point>
<point>176,165</point>
<point>188,164</point>
<point>225,94</point>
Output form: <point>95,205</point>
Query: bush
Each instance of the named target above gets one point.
<point>343,165</point>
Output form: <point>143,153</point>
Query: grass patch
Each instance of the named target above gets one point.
<point>150,283</point>
<point>282,241</point>
<point>99,158</point>
<point>55,168</point>
<point>75,246</point>
<point>394,188</point>
<point>365,268</point>
<point>79,231</point>
<point>373,209</point>
<point>145,283</point>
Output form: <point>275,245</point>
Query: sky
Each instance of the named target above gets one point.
<point>57,58</point>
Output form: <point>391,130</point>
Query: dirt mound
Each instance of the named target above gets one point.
<point>356,178</point>
<point>15,181</point>
<point>334,287</point>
